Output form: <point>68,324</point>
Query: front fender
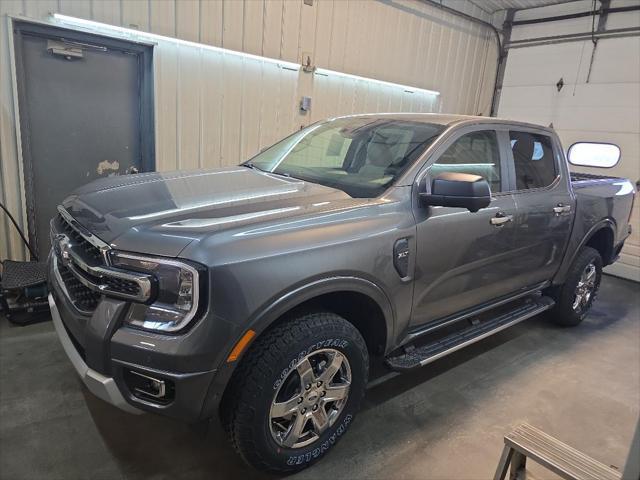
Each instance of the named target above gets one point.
<point>273,310</point>
<point>297,296</point>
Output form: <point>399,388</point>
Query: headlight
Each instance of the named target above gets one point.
<point>176,289</point>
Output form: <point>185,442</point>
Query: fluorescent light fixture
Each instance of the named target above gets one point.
<point>406,88</point>
<point>140,35</point>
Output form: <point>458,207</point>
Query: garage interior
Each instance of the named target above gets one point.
<point>186,84</point>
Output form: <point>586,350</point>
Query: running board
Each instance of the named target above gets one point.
<point>424,354</point>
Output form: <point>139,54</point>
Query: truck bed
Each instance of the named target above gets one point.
<point>581,178</point>
<point>601,198</point>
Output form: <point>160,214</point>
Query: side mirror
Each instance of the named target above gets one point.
<point>458,190</point>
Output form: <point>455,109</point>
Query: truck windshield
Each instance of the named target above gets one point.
<point>360,156</point>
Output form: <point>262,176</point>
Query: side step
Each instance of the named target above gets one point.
<point>424,354</point>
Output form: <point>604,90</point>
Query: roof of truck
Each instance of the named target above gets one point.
<point>444,119</point>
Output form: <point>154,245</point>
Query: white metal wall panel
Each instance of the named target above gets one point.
<point>188,105</point>
<point>496,5</point>
<point>211,110</point>
<point>39,8</point>
<point>211,22</point>
<point>604,109</point>
<point>166,105</point>
<point>162,18</point>
<point>187,17</point>
<point>106,11</point>
<point>216,109</point>
<point>253,16</point>
<point>75,8</point>
<point>233,24</point>
<point>344,96</point>
<point>574,25</point>
<point>136,14</point>
<point>10,191</point>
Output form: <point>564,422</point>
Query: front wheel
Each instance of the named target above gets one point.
<point>296,392</point>
<point>575,298</point>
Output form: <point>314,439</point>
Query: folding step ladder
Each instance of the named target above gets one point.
<point>567,462</point>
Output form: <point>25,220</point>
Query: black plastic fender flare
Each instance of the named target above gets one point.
<point>287,301</point>
<point>569,259</point>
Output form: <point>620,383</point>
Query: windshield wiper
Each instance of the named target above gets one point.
<point>288,175</point>
<point>251,165</point>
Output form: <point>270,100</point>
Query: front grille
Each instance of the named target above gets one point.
<point>84,271</point>
<point>90,252</point>
<point>122,285</point>
<point>83,298</point>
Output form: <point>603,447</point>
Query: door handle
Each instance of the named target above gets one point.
<point>561,208</point>
<point>500,219</point>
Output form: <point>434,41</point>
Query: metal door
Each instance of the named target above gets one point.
<point>84,114</point>
<point>464,259</point>
<point>545,209</point>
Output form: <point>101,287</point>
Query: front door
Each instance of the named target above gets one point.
<point>85,113</point>
<point>464,259</point>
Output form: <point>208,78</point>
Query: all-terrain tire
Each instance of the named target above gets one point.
<point>565,312</point>
<point>270,362</point>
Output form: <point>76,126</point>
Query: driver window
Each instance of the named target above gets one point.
<point>475,153</point>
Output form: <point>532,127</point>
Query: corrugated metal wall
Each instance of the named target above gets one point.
<point>217,109</point>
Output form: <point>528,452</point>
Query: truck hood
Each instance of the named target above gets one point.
<point>161,213</point>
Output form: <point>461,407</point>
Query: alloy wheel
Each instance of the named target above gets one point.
<point>585,288</point>
<point>310,399</point>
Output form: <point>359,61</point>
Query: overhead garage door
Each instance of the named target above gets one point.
<point>600,106</point>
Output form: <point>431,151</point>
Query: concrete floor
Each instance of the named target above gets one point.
<point>445,421</point>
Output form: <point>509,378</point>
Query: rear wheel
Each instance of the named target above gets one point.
<point>575,298</point>
<point>296,392</point>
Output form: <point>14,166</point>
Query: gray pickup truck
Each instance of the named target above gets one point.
<point>263,293</point>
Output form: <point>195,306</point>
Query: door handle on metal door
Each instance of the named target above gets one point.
<point>500,219</point>
<point>561,209</point>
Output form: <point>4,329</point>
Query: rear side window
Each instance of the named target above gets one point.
<point>533,158</point>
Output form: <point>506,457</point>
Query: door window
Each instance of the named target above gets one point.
<point>475,153</point>
<point>535,166</point>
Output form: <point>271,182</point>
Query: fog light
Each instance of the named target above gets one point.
<point>150,388</point>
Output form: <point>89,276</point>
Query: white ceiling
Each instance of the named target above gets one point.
<point>491,6</point>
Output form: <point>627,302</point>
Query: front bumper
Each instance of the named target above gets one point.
<point>131,368</point>
<point>104,353</point>
<point>100,385</point>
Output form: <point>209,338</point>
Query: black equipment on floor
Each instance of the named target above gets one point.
<point>23,291</point>
<point>23,286</point>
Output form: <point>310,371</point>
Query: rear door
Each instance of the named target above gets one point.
<point>465,259</point>
<point>544,205</point>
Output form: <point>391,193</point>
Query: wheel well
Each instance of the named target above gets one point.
<point>359,309</point>
<point>602,241</point>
